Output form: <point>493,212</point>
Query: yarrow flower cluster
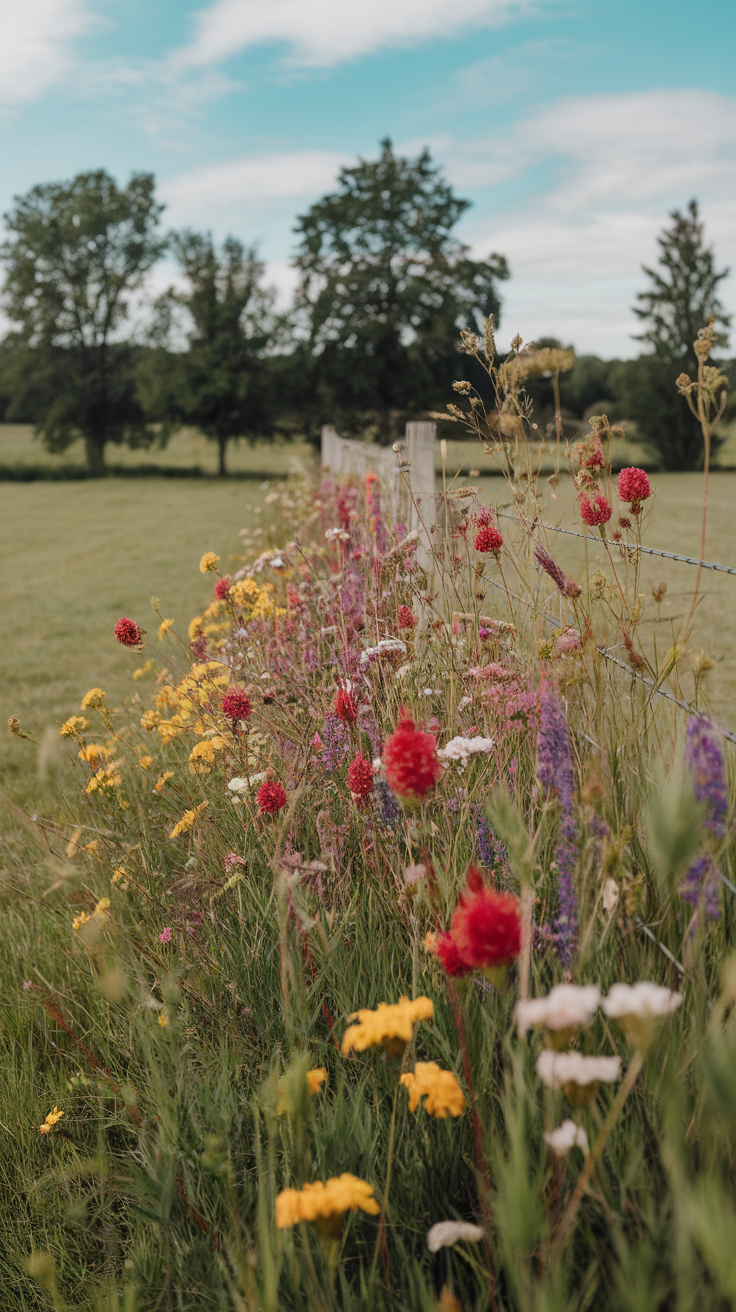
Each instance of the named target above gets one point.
<point>410,760</point>
<point>634,488</point>
<point>390,1026</point>
<point>128,633</point>
<point>325,1204</point>
<point>440,1088</point>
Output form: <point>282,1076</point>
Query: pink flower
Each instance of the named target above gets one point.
<point>598,513</point>
<point>344,707</point>
<point>633,488</point>
<point>488,539</point>
<point>405,618</point>
<point>232,861</point>
<point>360,777</point>
<point>165,935</point>
<point>222,587</point>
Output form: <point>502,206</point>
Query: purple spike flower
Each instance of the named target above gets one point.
<point>705,760</point>
<point>567,586</point>
<point>555,772</point>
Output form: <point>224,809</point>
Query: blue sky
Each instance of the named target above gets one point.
<point>574,126</point>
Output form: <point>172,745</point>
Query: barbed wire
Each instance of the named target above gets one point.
<point>631,546</point>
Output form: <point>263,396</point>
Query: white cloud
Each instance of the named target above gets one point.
<point>215,193</point>
<point>35,45</point>
<point>615,165</point>
<point>320,33</point>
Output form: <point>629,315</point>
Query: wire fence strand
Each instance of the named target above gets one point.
<point>631,546</point>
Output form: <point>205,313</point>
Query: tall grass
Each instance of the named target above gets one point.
<point>215,962</point>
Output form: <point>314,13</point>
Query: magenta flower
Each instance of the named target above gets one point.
<point>165,935</point>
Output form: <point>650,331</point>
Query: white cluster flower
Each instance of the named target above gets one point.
<point>565,1006</point>
<point>239,785</point>
<point>556,1069</point>
<point>461,749</point>
<point>386,647</point>
<point>333,533</point>
<point>445,1233</point>
<point>413,874</point>
<point>642,1001</point>
<point>567,1136</point>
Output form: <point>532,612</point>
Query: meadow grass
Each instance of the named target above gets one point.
<point>176,957</point>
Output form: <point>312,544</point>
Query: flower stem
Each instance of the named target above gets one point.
<point>594,1156</point>
<point>380,1237</point>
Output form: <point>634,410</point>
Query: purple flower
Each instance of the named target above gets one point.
<point>165,935</point>
<point>565,585</point>
<point>335,741</point>
<point>705,760</point>
<point>555,772</point>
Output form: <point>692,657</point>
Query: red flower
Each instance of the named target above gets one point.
<point>598,513</point>
<point>447,954</point>
<point>271,797</point>
<point>344,707</point>
<point>360,777</point>
<point>486,928</point>
<point>222,587</point>
<point>594,458</point>
<point>405,618</point>
<point>127,632</point>
<point>488,539</point>
<point>235,705</point>
<point>634,487</point>
<point>410,759</point>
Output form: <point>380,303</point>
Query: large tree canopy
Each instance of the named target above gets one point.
<point>681,299</point>
<point>384,288</point>
<point>222,383</point>
<point>75,254</point>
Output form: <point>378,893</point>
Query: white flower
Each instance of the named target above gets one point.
<point>450,1232</point>
<point>461,749</point>
<point>333,533</point>
<point>557,1069</point>
<point>565,1006</point>
<point>386,647</point>
<point>413,874</point>
<point>567,1136</point>
<point>644,1001</point>
<point>242,785</point>
<point>277,562</point>
<point>610,895</point>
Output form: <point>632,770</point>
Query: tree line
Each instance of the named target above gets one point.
<point>384,288</point>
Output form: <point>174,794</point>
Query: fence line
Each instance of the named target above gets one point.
<point>630,546</point>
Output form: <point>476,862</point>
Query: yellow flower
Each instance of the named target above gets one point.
<point>93,700</point>
<point>120,873</point>
<point>72,727</point>
<point>316,1078</point>
<point>325,1204</point>
<point>187,820</point>
<point>163,1019</point>
<point>51,1120</point>
<point>162,779</point>
<point>391,1025</point>
<point>210,560</point>
<point>202,754</point>
<point>94,754</point>
<point>163,629</point>
<point>81,919</point>
<point>195,626</point>
<point>145,762</point>
<point>144,669</point>
<point>150,720</point>
<point>107,777</point>
<point>441,1088</point>
<point>102,909</point>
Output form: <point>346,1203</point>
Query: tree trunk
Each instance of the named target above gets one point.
<point>94,446</point>
<point>222,467</point>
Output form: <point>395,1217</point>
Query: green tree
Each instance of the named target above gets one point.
<point>384,287</point>
<point>222,383</point>
<point>681,299</point>
<point>75,254</point>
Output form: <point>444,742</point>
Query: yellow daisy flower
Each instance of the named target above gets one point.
<point>390,1025</point>
<point>441,1089</point>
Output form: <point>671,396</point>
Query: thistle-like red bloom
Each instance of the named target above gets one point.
<point>344,707</point>
<point>447,954</point>
<point>488,538</point>
<point>486,928</point>
<point>410,759</point>
<point>271,797</point>
<point>634,487</point>
<point>599,512</point>
<point>360,777</point>
<point>405,618</point>
<point>128,633</point>
<point>222,587</point>
<point>235,705</point>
